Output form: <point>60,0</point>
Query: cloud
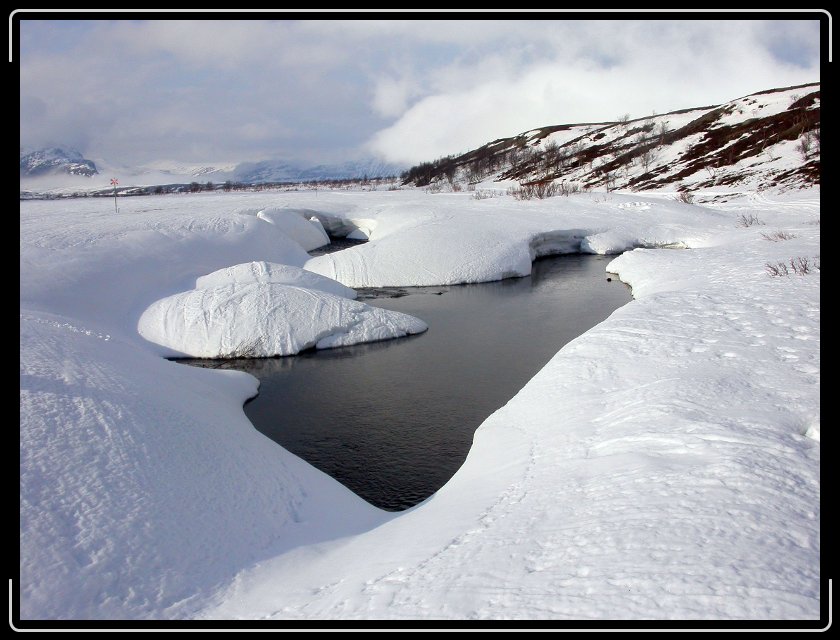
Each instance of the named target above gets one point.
<point>600,71</point>
<point>326,90</point>
<point>391,96</point>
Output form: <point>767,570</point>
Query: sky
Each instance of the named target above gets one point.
<point>405,91</point>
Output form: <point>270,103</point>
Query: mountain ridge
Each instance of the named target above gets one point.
<point>753,139</point>
<point>55,160</point>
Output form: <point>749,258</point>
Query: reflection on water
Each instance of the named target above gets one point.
<point>394,420</point>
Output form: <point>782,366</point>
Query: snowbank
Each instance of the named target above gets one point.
<point>269,272</point>
<point>83,261</point>
<point>307,233</point>
<point>264,319</point>
<point>665,465</point>
<point>143,484</point>
<point>661,466</point>
<point>414,245</point>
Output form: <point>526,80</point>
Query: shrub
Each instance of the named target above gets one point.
<point>531,190</point>
<point>806,144</point>
<point>800,265</point>
<point>686,196</point>
<point>776,270</point>
<point>661,131</point>
<point>250,349</point>
<point>778,236</point>
<point>568,188</point>
<point>749,221</point>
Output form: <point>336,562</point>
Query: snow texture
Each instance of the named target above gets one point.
<point>307,234</point>
<point>664,465</point>
<point>265,319</point>
<point>132,479</point>
<point>269,272</point>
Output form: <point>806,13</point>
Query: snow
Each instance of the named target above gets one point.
<point>132,479</point>
<point>428,245</point>
<point>664,465</point>
<point>265,319</point>
<point>307,234</point>
<point>269,272</point>
<point>771,167</point>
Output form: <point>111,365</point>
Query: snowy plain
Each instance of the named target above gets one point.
<point>664,465</point>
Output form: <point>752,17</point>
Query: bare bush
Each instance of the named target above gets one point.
<point>540,190</point>
<point>713,173</point>
<point>778,236</point>
<point>806,144</point>
<point>484,194</point>
<point>250,349</point>
<point>749,221</point>
<point>568,188</point>
<point>800,265</point>
<point>551,154</point>
<point>686,196</point>
<point>661,131</point>
<point>776,270</point>
<point>648,157</point>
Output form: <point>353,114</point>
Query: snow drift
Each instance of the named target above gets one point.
<point>664,465</point>
<point>264,319</point>
<point>270,272</point>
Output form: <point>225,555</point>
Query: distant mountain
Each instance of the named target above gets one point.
<point>770,139</point>
<point>282,171</point>
<point>206,170</point>
<point>55,161</point>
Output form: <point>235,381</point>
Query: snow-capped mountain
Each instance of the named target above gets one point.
<point>214,171</point>
<point>55,161</point>
<point>770,139</point>
<point>283,171</point>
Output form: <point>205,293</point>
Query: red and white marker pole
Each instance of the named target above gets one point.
<point>114,183</point>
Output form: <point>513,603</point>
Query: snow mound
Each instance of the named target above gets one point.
<point>265,319</point>
<point>271,272</point>
<point>301,230</point>
<point>427,251</point>
<point>137,476</point>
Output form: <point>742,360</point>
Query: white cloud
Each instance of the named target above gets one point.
<point>629,67</point>
<point>391,96</point>
<point>406,90</point>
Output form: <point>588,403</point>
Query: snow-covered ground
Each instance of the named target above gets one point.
<point>664,465</point>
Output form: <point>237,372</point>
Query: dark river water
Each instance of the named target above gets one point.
<point>394,420</point>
